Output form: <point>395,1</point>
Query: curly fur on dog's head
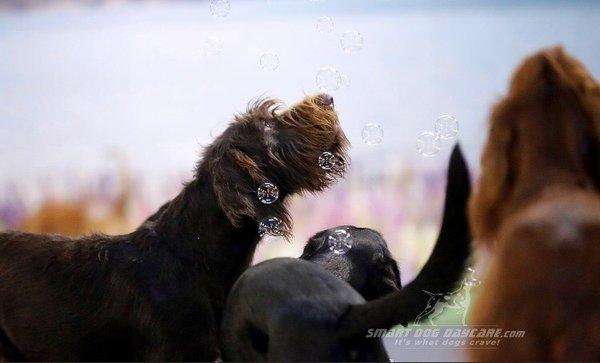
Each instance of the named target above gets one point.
<point>272,143</point>
<point>553,105</point>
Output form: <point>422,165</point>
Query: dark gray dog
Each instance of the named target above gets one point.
<point>368,266</point>
<point>289,309</point>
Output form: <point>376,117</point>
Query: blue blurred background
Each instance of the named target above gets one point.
<point>105,105</point>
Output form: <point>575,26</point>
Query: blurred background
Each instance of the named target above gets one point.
<point>105,106</point>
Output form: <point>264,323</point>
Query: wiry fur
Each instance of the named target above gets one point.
<point>538,208</point>
<point>158,292</point>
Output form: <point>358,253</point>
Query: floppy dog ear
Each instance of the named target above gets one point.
<point>573,75</point>
<point>231,174</point>
<point>485,207</point>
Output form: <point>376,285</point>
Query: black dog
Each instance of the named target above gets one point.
<point>368,266</point>
<point>158,293</point>
<point>294,310</point>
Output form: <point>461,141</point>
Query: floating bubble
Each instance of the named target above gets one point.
<point>351,41</point>
<point>344,80</point>
<point>446,127</point>
<point>329,79</point>
<point>372,134</point>
<point>220,8</point>
<point>327,160</point>
<point>212,46</point>
<point>325,24</point>
<point>271,226</point>
<point>268,193</point>
<point>471,280</point>
<point>269,61</point>
<point>428,144</point>
<point>340,241</point>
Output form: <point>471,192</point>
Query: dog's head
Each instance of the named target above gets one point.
<point>368,266</point>
<point>276,144</point>
<point>546,130</point>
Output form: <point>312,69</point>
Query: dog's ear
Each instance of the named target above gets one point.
<point>485,207</point>
<point>233,173</point>
<point>313,245</point>
<point>576,80</point>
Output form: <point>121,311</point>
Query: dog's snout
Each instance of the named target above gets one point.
<point>325,100</point>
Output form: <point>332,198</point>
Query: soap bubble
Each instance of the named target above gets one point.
<point>446,127</point>
<point>344,80</point>
<point>327,160</point>
<point>325,24</point>
<point>329,79</point>
<point>340,241</point>
<point>268,193</point>
<point>351,41</point>
<point>212,46</point>
<point>470,279</point>
<point>220,8</point>
<point>269,61</point>
<point>271,226</point>
<point>372,134</point>
<point>428,144</point>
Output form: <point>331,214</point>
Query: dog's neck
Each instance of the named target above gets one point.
<point>194,227</point>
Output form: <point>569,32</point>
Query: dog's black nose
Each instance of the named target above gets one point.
<point>325,100</point>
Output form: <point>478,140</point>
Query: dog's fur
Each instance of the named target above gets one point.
<point>294,310</point>
<point>158,293</point>
<point>368,266</point>
<point>538,209</point>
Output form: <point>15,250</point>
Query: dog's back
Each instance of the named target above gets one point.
<point>545,275</point>
<point>54,299</point>
<point>289,309</point>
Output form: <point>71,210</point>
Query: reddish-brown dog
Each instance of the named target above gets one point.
<point>538,208</point>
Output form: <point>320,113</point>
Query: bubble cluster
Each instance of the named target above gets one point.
<point>271,226</point>
<point>446,127</point>
<point>351,41</point>
<point>325,24</point>
<point>220,8</point>
<point>329,79</point>
<point>428,144</point>
<point>212,46</point>
<point>340,241</point>
<point>269,61</point>
<point>268,193</point>
<point>372,134</point>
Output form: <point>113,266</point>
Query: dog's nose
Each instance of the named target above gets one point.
<point>325,100</point>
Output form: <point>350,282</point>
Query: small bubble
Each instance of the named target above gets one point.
<point>212,46</point>
<point>327,160</point>
<point>325,24</point>
<point>344,80</point>
<point>271,226</point>
<point>428,144</point>
<point>220,8</point>
<point>351,41</point>
<point>340,241</point>
<point>269,61</point>
<point>446,127</point>
<point>268,193</point>
<point>329,79</point>
<point>372,134</point>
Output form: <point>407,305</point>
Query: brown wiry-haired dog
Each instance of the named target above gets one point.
<point>538,209</point>
<point>158,292</point>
